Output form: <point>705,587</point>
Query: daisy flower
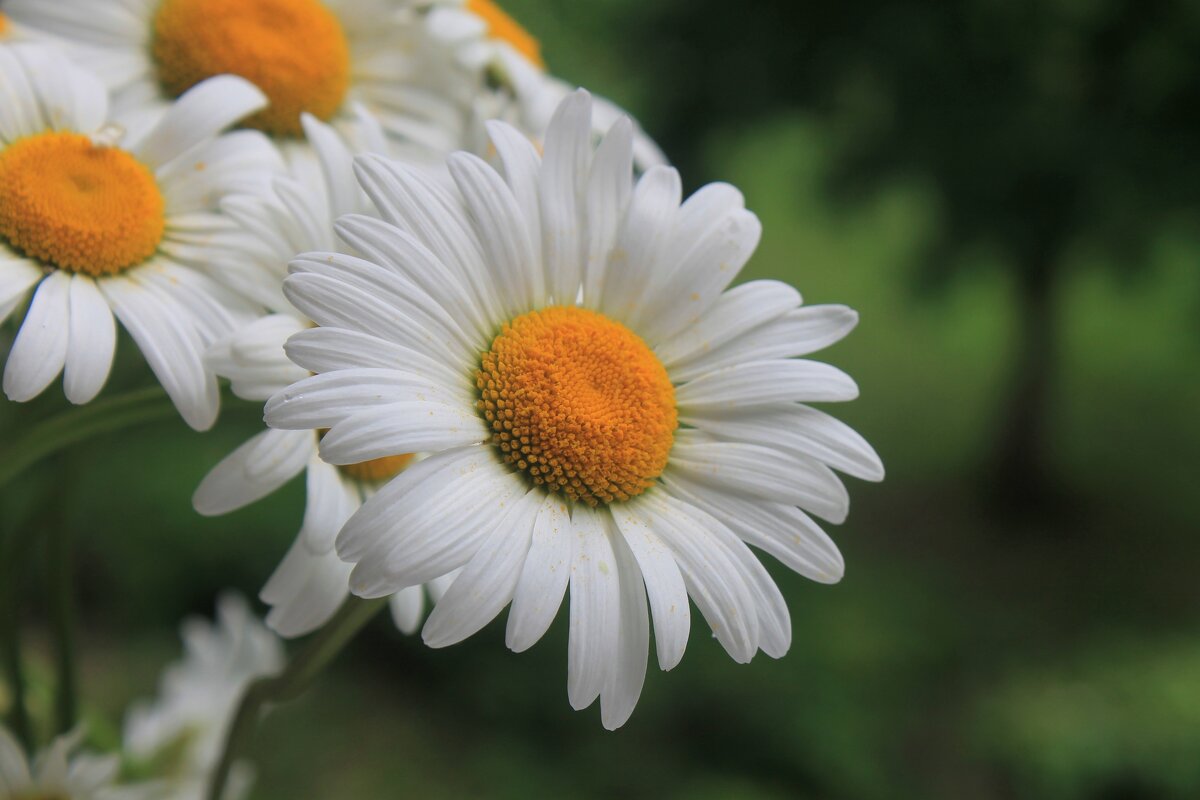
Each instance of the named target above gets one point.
<point>298,216</point>
<point>182,731</point>
<point>485,36</point>
<point>605,418</point>
<point>321,57</point>
<point>131,230</point>
<point>61,773</point>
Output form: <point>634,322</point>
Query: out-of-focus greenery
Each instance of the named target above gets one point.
<point>967,653</point>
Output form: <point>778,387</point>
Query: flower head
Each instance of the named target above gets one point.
<point>103,224</point>
<point>605,417</point>
<point>182,730</point>
<point>60,772</point>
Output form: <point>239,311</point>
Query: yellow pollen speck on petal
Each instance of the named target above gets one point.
<point>377,469</point>
<point>578,403</point>
<point>294,50</point>
<point>78,206</point>
<point>502,26</point>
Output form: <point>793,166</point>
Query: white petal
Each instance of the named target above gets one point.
<point>609,185</point>
<point>305,591</point>
<point>713,577</point>
<point>402,428</point>
<point>664,583</point>
<point>641,246</point>
<point>522,166</point>
<point>391,247</point>
<point>253,359</point>
<point>502,232</point>
<point>564,171</point>
<point>14,769</point>
<point>438,220</point>
<point>673,303</point>
<point>329,349</point>
<point>323,401</point>
<point>798,430</point>
<point>757,384</point>
<point>741,309</point>
<point>405,316</point>
<point>544,577</point>
<point>16,277</point>
<point>337,165</point>
<point>595,609</point>
<point>407,605</point>
<point>255,469</point>
<point>796,333</point>
<point>40,349</point>
<point>624,687</point>
<point>171,346</point>
<point>329,502</point>
<point>200,113</point>
<point>486,584</point>
<point>426,521</point>
<point>757,471</point>
<point>783,531</point>
<point>92,339</point>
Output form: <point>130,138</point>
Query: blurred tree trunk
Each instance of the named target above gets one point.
<point>1019,475</point>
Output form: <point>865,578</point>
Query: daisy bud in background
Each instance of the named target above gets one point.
<point>325,58</point>
<point>97,224</point>
<point>177,737</point>
<point>299,215</point>
<point>605,418</point>
<point>60,772</point>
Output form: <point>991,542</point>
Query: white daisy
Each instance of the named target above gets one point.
<point>311,582</point>
<point>322,57</point>
<point>182,731</point>
<point>485,35</point>
<point>603,416</point>
<point>61,773</point>
<point>131,230</point>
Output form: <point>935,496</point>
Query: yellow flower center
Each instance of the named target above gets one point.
<point>579,403</point>
<point>3,24</point>
<point>377,469</point>
<point>78,206</point>
<point>294,50</point>
<point>502,26</point>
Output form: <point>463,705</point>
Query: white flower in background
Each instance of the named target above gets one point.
<point>323,57</point>
<point>486,36</point>
<point>311,582</point>
<point>61,773</point>
<point>131,230</point>
<point>603,416</point>
<point>181,732</point>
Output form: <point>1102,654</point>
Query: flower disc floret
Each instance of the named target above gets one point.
<point>294,50</point>
<point>377,469</point>
<point>78,206</point>
<point>579,403</point>
<point>503,27</point>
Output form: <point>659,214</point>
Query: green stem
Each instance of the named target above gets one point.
<point>291,682</point>
<point>44,439</point>
<point>51,436</point>
<point>10,631</point>
<point>62,615</point>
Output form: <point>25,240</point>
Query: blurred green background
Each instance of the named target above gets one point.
<point>1008,193</point>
